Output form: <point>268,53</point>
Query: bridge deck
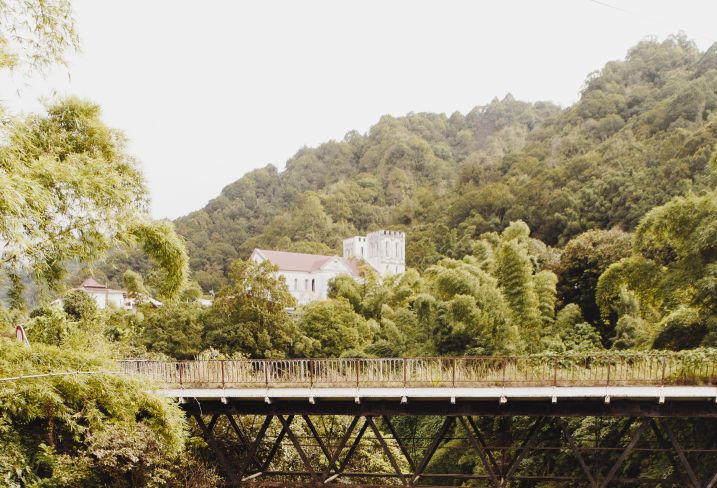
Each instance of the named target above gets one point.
<point>264,407</point>
<point>640,401</point>
<point>687,368</point>
<point>658,393</point>
<point>649,384</point>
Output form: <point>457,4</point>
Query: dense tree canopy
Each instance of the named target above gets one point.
<point>518,218</point>
<point>174,329</point>
<point>582,261</point>
<point>334,328</point>
<point>69,193</point>
<point>641,133</point>
<point>666,289</point>
<point>249,314</point>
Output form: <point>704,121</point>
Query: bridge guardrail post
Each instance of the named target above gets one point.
<point>181,368</point>
<point>356,367</point>
<point>664,365</point>
<point>266,373</point>
<point>609,363</point>
<point>453,373</point>
<point>222,366</point>
<point>505,366</point>
<point>555,371</point>
<point>404,372</point>
<point>311,373</point>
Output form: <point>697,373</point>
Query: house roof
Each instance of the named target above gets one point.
<point>91,283</point>
<point>295,261</point>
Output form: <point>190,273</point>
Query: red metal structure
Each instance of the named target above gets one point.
<point>629,369</point>
<point>597,421</point>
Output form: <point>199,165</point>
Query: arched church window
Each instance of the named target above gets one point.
<point>313,285</point>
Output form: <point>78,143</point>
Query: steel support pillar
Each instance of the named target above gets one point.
<point>326,456</point>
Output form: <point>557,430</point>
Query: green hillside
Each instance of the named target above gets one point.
<point>642,132</point>
<point>532,229</point>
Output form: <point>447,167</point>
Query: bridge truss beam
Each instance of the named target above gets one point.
<point>578,407</point>
<point>521,449</point>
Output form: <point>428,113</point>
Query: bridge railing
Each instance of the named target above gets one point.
<point>574,370</point>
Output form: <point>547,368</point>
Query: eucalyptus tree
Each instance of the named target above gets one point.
<point>249,315</point>
<point>35,34</point>
<point>69,192</point>
<point>667,288</point>
<point>68,189</point>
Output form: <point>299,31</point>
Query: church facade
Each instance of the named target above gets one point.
<point>307,275</point>
<point>384,250</point>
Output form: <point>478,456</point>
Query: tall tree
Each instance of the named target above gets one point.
<point>670,274</point>
<point>334,328</point>
<point>249,314</point>
<point>35,34</point>
<point>68,191</point>
<point>582,261</point>
<point>175,329</point>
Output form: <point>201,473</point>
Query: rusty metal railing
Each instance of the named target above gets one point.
<point>508,371</point>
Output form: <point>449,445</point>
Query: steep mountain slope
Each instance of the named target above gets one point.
<point>642,131</point>
<point>360,183</point>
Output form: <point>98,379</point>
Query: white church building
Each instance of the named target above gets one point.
<point>308,275</point>
<point>384,250</point>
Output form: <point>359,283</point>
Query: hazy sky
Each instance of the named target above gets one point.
<point>208,90</point>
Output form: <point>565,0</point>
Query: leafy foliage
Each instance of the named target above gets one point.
<point>35,34</point>
<point>334,328</point>
<point>81,430</point>
<point>134,283</point>
<point>642,132</point>
<point>68,192</point>
<point>582,261</point>
<point>174,329</point>
<point>248,315</point>
<point>667,281</point>
<point>79,305</point>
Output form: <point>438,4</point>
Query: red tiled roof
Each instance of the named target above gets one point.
<point>295,261</point>
<point>91,283</point>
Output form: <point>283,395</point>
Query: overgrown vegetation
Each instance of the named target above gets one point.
<point>531,229</point>
<point>69,193</point>
<point>642,132</point>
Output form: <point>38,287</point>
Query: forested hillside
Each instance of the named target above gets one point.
<point>642,132</point>
<point>532,229</point>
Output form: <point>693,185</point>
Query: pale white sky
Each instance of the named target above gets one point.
<point>208,90</point>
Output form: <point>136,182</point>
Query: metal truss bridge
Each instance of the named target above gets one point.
<point>597,421</point>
